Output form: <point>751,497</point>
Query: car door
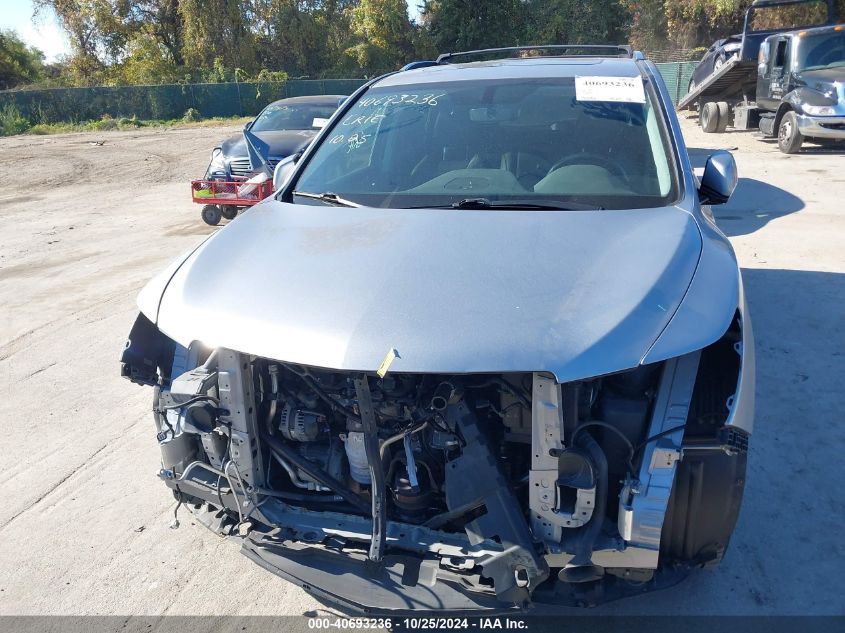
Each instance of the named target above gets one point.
<point>774,68</point>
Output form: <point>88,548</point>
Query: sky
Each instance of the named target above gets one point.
<point>46,35</point>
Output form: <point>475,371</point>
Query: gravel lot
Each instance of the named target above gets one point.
<point>84,521</point>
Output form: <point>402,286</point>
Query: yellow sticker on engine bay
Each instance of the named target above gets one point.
<point>385,364</point>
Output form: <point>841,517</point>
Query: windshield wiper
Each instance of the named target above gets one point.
<point>327,196</point>
<point>516,205</point>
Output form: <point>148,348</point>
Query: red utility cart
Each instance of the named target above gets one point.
<point>223,198</point>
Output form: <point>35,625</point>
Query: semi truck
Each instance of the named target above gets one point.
<point>789,83</point>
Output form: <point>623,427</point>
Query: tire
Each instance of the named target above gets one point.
<point>717,65</point>
<point>709,117</point>
<point>703,507</point>
<point>211,214</point>
<point>790,138</point>
<point>229,211</point>
<point>724,116</point>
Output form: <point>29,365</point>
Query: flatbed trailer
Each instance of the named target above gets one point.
<point>734,81</point>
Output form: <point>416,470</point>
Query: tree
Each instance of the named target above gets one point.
<point>296,35</point>
<point>456,25</point>
<point>647,24</point>
<point>692,23</point>
<point>218,29</point>
<point>578,21</point>
<point>162,20</point>
<point>384,35</point>
<point>19,63</point>
<point>88,24</point>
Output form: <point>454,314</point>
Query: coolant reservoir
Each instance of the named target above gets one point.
<point>356,453</point>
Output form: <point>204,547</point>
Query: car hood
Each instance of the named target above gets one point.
<point>282,142</point>
<point>575,293</point>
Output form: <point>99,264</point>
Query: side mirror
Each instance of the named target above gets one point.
<point>719,179</point>
<point>248,125</point>
<point>284,169</point>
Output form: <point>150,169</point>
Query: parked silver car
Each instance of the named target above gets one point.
<point>485,346</point>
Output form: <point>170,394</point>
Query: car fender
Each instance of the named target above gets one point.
<point>149,299</point>
<point>709,305</point>
<point>713,300</point>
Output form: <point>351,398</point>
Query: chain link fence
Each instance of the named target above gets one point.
<point>676,55</point>
<point>677,76</point>
<point>74,105</point>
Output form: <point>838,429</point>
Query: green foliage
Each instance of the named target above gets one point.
<point>138,42</point>
<point>578,21</point>
<point>217,33</point>
<point>108,125</point>
<point>217,74</point>
<point>647,23</point>
<point>11,121</point>
<point>191,115</point>
<point>383,33</point>
<point>270,76</point>
<point>19,63</point>
<point>456,25</point>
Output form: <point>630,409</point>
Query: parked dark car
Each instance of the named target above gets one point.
<point>719,53</point>
<point>287,126</point>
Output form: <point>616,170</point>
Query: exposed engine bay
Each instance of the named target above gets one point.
<point>465,491</point>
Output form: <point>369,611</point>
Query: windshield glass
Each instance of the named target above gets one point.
<point>522,140</point>
<point>292,117</point>
<point>821,51</point>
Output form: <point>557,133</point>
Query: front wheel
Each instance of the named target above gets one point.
<point>790,138</point>
<point>211,214</point>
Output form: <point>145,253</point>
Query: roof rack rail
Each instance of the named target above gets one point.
<point>418,64</point>
<point>611,50</point>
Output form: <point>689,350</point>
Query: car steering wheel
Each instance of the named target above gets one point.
<point>589,158</point>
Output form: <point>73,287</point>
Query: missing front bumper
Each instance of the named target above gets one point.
<point>406,584</point>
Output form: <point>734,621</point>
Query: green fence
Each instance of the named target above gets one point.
<point>165,101</point>
<point>677,76</point>
<point>225,99</point>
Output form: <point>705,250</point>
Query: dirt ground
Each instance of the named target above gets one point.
<point>84,521</point>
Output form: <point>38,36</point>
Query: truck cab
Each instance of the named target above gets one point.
<point>801,86</point>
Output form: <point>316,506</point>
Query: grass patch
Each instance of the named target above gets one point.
<point>12,123</point>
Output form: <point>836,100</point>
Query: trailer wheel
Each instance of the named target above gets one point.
<point>229,211</point>
<point>724,116</point>
<point>790,138</point>
<point>211,214</point>
<point>709,117</point>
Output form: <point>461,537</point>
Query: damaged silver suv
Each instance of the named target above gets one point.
<point>484,347</point>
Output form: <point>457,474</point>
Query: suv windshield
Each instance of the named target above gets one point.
<point>531,142</point>
<point>821,51</point>
<point>292,117</point>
